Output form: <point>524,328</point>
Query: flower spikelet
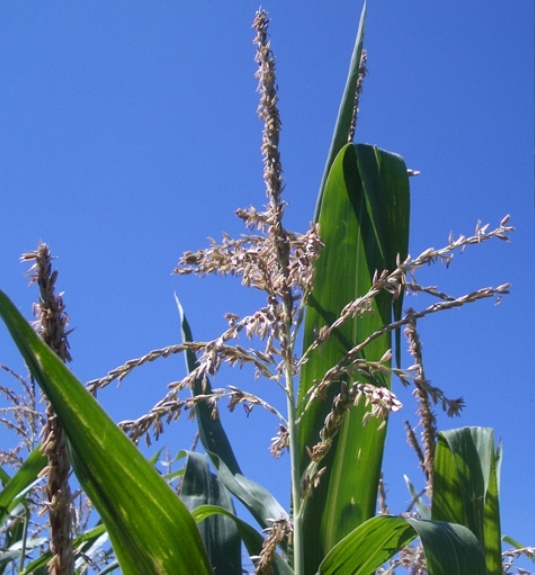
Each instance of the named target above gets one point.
<point>52,324</point>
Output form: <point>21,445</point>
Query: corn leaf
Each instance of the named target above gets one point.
<point>150,528</point>
<point>423,510</point>
<point>465,487</point>
<point>211,431</point>
<point>15,488</point>
<point>449,549</point>
<point>364,224</point>
<point>220,535</point>
<point>252,539</point>
<point>12,553</point>
<point>258,500</point>
<point>81,544</point>
<point>342,126</point>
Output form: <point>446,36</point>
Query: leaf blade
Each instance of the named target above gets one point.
<point>345,112</point>
<point>135,503</point>
<point>355,225</point>
<point>450,549</point>
<point>211,431</point>
<point>258,500</point>
<point>251,538</point>
<point>24,477</point>
<point>220,535</point>
<point>465,487</point>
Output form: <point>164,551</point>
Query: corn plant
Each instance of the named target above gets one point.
<point>332,313</point>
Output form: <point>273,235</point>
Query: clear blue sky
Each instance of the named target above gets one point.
<point>128,134</point>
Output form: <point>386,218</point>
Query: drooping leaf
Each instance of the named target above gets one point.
<point>4,476</point>
<point>364,225</point>
<point>220,535</point>
<point>449,549</point>
<point>465,487</point>
<point>251,538</point>
<point>258,500</point>
<point>150,528</point>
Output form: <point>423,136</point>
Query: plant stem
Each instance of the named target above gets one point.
<point>298,543</point>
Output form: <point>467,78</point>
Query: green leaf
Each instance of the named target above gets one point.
<point>423,510</point>
<point>4,476</point>
<point>16,487</point>
<point>150,528</point>
<point>211,431</point>
<point>258,500</point>
<point>251,538</point>
<point>465,487</point>
<point>13,552</point>
<point>345,113</point>
<point>450,549</point>
<point>220,535</point>
<point>80,544</point>
<point>364,224</point>
<point>109,569</point>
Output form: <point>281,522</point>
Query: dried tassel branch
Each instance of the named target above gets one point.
<point>280,529</point>
<point>52,324</point>
<point>428,420</point>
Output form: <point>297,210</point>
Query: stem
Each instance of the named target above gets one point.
<point>298,543</point>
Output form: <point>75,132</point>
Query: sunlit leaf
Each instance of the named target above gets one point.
<point>364,225</point>
<point>449,549</point>
<point>133,500</point>
<point>211,432</point>
<point>16,487</point>
<point>345,113</point>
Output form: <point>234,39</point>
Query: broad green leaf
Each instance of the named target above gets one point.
<point>449,549</point>
<point>150,528</point>
<point>465,487</point>
<point>364,224</point>
<point>15,488</point>
<point>251,538</point>
<point>220,535</point>
<point>345,113</point>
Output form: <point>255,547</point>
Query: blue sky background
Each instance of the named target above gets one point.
<point>128,134</point>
